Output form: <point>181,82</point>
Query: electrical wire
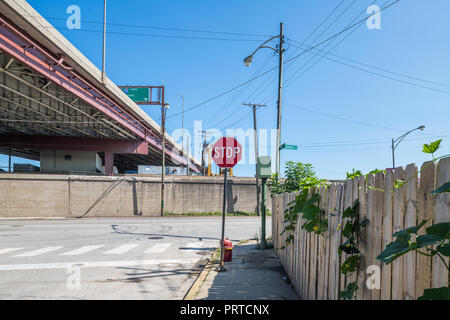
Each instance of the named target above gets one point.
<point>149,34</point>
<point>291,79</point>
<point>157,27</point>
<point>289,60</point>
<point>296,50</point>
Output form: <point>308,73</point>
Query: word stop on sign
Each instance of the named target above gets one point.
<point>226,152</point>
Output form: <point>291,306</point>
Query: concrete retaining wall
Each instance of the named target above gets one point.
<point>42,195</point>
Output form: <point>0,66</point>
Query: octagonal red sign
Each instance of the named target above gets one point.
<point>226,152</point>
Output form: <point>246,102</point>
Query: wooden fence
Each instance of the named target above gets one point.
<point>312,261</point>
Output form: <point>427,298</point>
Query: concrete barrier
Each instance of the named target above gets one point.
<point>46,195</point>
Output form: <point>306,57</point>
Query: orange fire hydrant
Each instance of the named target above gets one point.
<point>228,250</point>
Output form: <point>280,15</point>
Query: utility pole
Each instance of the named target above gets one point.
<point>188,152</point>
<point>280,87</point>
<point>164,107</point>
<point>254,107</point>
<point>204,133</point>
<point>104,42</point>
<point>248,61</point>
<point>9,160</point>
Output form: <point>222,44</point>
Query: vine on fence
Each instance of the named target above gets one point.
<point>436,241</point>
<point>352,235</point>
<point>315,217</point>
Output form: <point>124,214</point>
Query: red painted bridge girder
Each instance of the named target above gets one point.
<point>24,49</point>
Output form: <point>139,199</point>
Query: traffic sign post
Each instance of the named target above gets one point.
<point>264,172</point>
<point>226,153</point>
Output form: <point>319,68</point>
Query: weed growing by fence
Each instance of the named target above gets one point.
<point>351,233</point>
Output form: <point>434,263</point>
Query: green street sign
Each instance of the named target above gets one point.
<point>288,147</point>
<point>137,94</point>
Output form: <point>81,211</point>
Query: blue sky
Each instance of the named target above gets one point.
<point>339,116</point>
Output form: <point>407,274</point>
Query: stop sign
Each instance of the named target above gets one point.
<point>226,152</point>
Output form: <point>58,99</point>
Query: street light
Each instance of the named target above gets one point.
<point>395,142</point>
<point>164,108</point>
<point>248,61</point>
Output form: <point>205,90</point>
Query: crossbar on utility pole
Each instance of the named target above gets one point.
<point>255,106</point>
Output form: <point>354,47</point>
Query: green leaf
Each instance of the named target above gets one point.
<point>427,239</point>
<point>310,212</point>
<point>351,264</point>
<point>348,213</point>
<point>347,232</point>
<point>442,293</point>
<point>399,183</point>
<point>354,174</point>
<point>413,229</point>
<point>375,171</point>
<point>432,147</point>
<point>349,292</point>
<point>393,251</point>
<point>440,229</point>
<point>403,238</point>
<point>444,188</point>
<point>444,249</point>
<point>347,248</point>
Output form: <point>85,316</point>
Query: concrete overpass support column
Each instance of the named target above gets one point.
<point>109,162</point>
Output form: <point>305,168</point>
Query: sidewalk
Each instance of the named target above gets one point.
<point>252,275</point>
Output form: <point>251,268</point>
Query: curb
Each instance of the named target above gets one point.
<point>33,218</point>
<point>195,288</point>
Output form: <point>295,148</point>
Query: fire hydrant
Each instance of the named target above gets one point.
<point>228,250</point>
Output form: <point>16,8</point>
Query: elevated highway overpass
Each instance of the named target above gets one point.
<point>53,98</point>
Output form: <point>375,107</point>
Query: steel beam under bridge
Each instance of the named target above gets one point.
<point>73,143</point>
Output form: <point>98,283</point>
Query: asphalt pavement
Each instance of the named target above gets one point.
<point>114,258</point>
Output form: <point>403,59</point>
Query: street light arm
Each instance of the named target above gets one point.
<point>399,139</point>
<point>263,45</point>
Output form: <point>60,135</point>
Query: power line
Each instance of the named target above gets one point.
<point>388,77</point>
<point>230,101</point>
<point>252,97</point>
<point>150,35</point>
<point>340,118</point>
<point>291,79</point>
<point>287,61</point>
<point>380,69</point>
<point>340,32</point>
<point>158,27</point>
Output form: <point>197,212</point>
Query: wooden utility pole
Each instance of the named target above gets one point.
<point>254,107</point>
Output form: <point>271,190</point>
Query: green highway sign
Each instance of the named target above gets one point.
<point>288,147</point>
<point>137,94</point>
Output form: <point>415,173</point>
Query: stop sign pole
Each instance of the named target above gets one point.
<point>226,153</point>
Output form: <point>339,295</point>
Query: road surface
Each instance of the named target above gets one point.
<point>114,258</point>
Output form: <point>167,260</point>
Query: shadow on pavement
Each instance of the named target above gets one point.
<point>252,275</point>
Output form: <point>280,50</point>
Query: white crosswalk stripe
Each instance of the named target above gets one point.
<point>37,252</point>
<point>96,264</point>
<point>81,250</point>
<point>8,250</point>
<point>194,245</point>
<point>122,249</point>
<point>158,248</point>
